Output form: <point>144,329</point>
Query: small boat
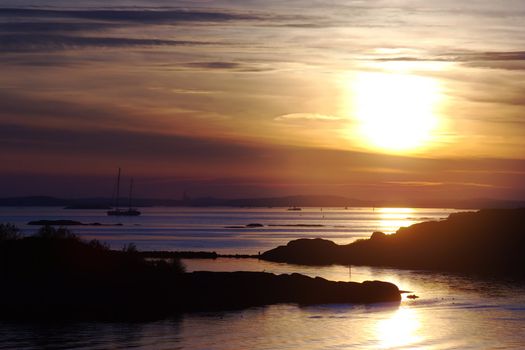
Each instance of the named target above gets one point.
<point>123,212</point>
<point>294,208</point>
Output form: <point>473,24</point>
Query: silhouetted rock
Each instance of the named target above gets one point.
<point>378,235</point>
<point>56,275</point>
<point>220,290</point>
<point>490,241</point>
<point>55,223</point>
<point>303,251</point>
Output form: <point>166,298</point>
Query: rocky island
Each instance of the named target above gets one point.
<point>54,274</point>
<point>490,241</point>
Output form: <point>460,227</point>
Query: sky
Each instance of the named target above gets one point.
<point>376,99</point>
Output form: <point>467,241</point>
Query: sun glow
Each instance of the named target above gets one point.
<point>396,112</point>
<point>391,219</point>
<point>400,330</point>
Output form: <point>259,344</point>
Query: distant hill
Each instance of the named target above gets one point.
<point>287,201</point>
<point>33,201</point>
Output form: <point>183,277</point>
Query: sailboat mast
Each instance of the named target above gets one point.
<point>130,190</point>
<point>118,188</point>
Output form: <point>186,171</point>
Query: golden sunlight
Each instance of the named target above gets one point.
<point>391,219</point>
<point>395,111</point>
<point>400,330</point>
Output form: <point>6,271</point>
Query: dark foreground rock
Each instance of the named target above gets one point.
<point>55,222</point>
<point>485,242</point>
<point>219,290</point>
<point>45,277</point>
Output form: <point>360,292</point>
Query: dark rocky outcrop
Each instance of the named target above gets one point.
<point>55,222</point>
<point>489,241</point>
<point>219,290</point>
<point>304,251</point>
<point>378,235</point>
<point>56,275</point>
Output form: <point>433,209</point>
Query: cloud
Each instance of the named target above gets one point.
<point>214,65</point>
<point>52,42</point>
<point>54,27</point>
<point>307,116</point>
<point>123,144</point>
<point>145,144</point>
<point>224,65</point>
<point>34,30</point>
<point>43,59</point>
<point>33,148</point>
<point>139,15</point>
<point>511,60</point>
<point>415,183</point>
<point>510,65</point>
<point>191,91</point>
<point>25,108</point>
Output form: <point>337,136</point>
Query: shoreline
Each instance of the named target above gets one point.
<point>56,275</point>
<point>489,241</point>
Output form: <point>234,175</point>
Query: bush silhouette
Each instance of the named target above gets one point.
<point>50,232</point>
<point>9,232</point>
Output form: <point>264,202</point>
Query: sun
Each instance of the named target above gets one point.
<point>395,112</point>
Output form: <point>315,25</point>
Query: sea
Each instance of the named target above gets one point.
<point>452,311</point>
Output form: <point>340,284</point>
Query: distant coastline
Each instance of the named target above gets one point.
<point>285,202</point>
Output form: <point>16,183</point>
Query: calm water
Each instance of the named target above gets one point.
<point>207,228</point>
<point>453,312</point>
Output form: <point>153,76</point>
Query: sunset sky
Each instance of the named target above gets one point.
<point>366,99</point>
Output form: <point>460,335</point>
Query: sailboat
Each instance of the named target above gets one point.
<point>123,212</point>
<point>294,208</point>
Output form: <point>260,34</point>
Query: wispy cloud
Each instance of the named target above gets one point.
<point>54,26</point>
<point>259,88</point>
<point>226,65</point>
<point>513,60</point>
<point>53,42</point>
<point>415,183</point>
<point>307,116</point>
<point>144,15</point>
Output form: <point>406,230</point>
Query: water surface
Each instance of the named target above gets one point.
<point>210,229</point>
<point>452,312</point>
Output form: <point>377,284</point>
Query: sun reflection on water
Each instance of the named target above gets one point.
<point>391,219</point>
<point>399,330</point>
